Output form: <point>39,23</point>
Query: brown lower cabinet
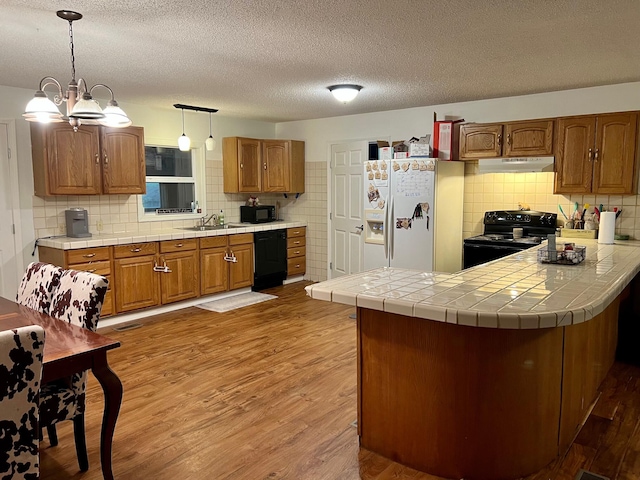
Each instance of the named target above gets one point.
<point>156,273</point>
<point>296,251</point>
<point>219,270</point>
<point>94,260</point>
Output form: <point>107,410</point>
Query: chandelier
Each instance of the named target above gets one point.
<point>81,107</point>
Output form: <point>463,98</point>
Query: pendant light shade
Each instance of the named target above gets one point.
<point>41,109</point>
<point>210,143</point>
<point>114,116</point>
<point>345,93</point>
<point>184,142</point>
<point>86,108</point>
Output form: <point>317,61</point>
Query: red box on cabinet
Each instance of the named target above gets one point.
<point>446,134</point>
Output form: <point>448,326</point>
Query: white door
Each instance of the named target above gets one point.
<point>9,264</point>
<point>347,223</point>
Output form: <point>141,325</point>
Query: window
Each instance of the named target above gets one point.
<point>175,184</point>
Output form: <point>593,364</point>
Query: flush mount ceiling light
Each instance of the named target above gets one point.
<point>346,92</point>
<point>183,141</point>
<point>81,107</point>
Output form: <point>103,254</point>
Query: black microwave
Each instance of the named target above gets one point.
<point>258,214</point>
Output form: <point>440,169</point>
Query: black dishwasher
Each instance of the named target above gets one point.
<point>271,259</point>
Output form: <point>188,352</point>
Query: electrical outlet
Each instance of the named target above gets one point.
<point>99,225</point>
<point>61,228</point>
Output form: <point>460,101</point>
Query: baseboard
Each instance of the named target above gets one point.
<point>149,312</point>
<point>294,279</point>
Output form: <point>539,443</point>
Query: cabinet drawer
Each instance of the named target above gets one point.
<point>296,266</point>
<point>135,250</point>
<point>213,242</point>
<point>295,242</point>
<point>107,305</point>
<point>178,245</point>
<point>296,252</point>
<point>99,268</point>
<point>240,238</point>
<point>84,255</point>
<point>296,232</point>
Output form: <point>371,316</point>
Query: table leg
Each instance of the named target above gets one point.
<point>112,388</point>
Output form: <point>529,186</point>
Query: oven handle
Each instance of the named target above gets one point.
<point>497,247</point>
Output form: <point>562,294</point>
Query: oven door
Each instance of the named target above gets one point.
<point>475,254</point>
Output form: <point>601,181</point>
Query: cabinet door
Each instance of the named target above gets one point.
<point>123,168</point>
<point>249,165</point>
<point>614,162</point>
<point>241,272</point>
<point>214,271</point>
<point>136,284</point>
<point>480,141</point>
<point>524,139</point>
<point>72,160</point>
<point>182,280</point>
<point>276,168</point>
<point>575,142</point>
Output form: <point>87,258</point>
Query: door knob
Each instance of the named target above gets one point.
<point>360,227</point>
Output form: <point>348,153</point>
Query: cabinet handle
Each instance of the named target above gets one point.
<point>106,160</point>
<point>499,140</point>
<point>241,165</point>
<point>597,155</point>
<point>298,265</point>
<point>590,154</point>
<point>264,166</point>
<point>297,252</point>
<point>135,250</point>
<point>89,255</point>
<point>93,270</point>
<point>178,245</point>
<point>509,139</point>
<point>297,242</point>
<point>97,158</point>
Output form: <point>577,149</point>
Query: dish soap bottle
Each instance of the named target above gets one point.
<point>221,218</point>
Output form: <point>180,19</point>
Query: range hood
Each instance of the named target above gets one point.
<point>512,165</point>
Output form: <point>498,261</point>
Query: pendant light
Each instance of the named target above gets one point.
<point>210,143</point>
<point>184,142</point>
<point>345,92</point>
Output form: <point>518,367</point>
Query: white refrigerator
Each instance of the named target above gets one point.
<point>413,214</point>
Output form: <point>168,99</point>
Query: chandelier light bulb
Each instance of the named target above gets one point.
<point>210,143</point>
<point>345,93</point>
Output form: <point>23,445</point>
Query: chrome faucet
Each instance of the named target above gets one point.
<point>204,220</point>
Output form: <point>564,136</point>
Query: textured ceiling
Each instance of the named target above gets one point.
<point>273,59</point>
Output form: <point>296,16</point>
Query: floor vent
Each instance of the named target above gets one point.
<point>584,475</point>
<point>353,316</point>
<point>130,326</point>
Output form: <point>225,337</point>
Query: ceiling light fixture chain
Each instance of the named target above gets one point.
<point>81,107</point>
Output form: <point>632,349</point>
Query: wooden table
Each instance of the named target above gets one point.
<point>70,349</point>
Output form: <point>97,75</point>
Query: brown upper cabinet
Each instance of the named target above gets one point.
<point>254,166</point>
<point>597,154</point>
<point>90,161</point>
<point>514,139</point>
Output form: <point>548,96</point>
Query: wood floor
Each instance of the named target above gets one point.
<point>269,392</point>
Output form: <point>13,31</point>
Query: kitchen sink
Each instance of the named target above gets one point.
<point>205,228</point>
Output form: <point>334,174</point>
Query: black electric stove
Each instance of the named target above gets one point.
<point>497,240</point>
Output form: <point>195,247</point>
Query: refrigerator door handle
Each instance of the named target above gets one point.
<point>390,230</point>
<point>385,231</point>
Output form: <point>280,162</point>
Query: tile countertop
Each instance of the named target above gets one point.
<point>512,292</point>
<point>68,243</point>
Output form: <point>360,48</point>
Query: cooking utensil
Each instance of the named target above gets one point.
<point>562,212</point>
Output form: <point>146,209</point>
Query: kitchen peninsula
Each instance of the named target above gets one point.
<point>487,373</point>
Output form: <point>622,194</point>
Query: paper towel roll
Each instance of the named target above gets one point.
<point>607,228</point>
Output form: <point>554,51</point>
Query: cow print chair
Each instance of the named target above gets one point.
<point>37,286</point>
<point>21,352</point>
<point>77,299</point>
